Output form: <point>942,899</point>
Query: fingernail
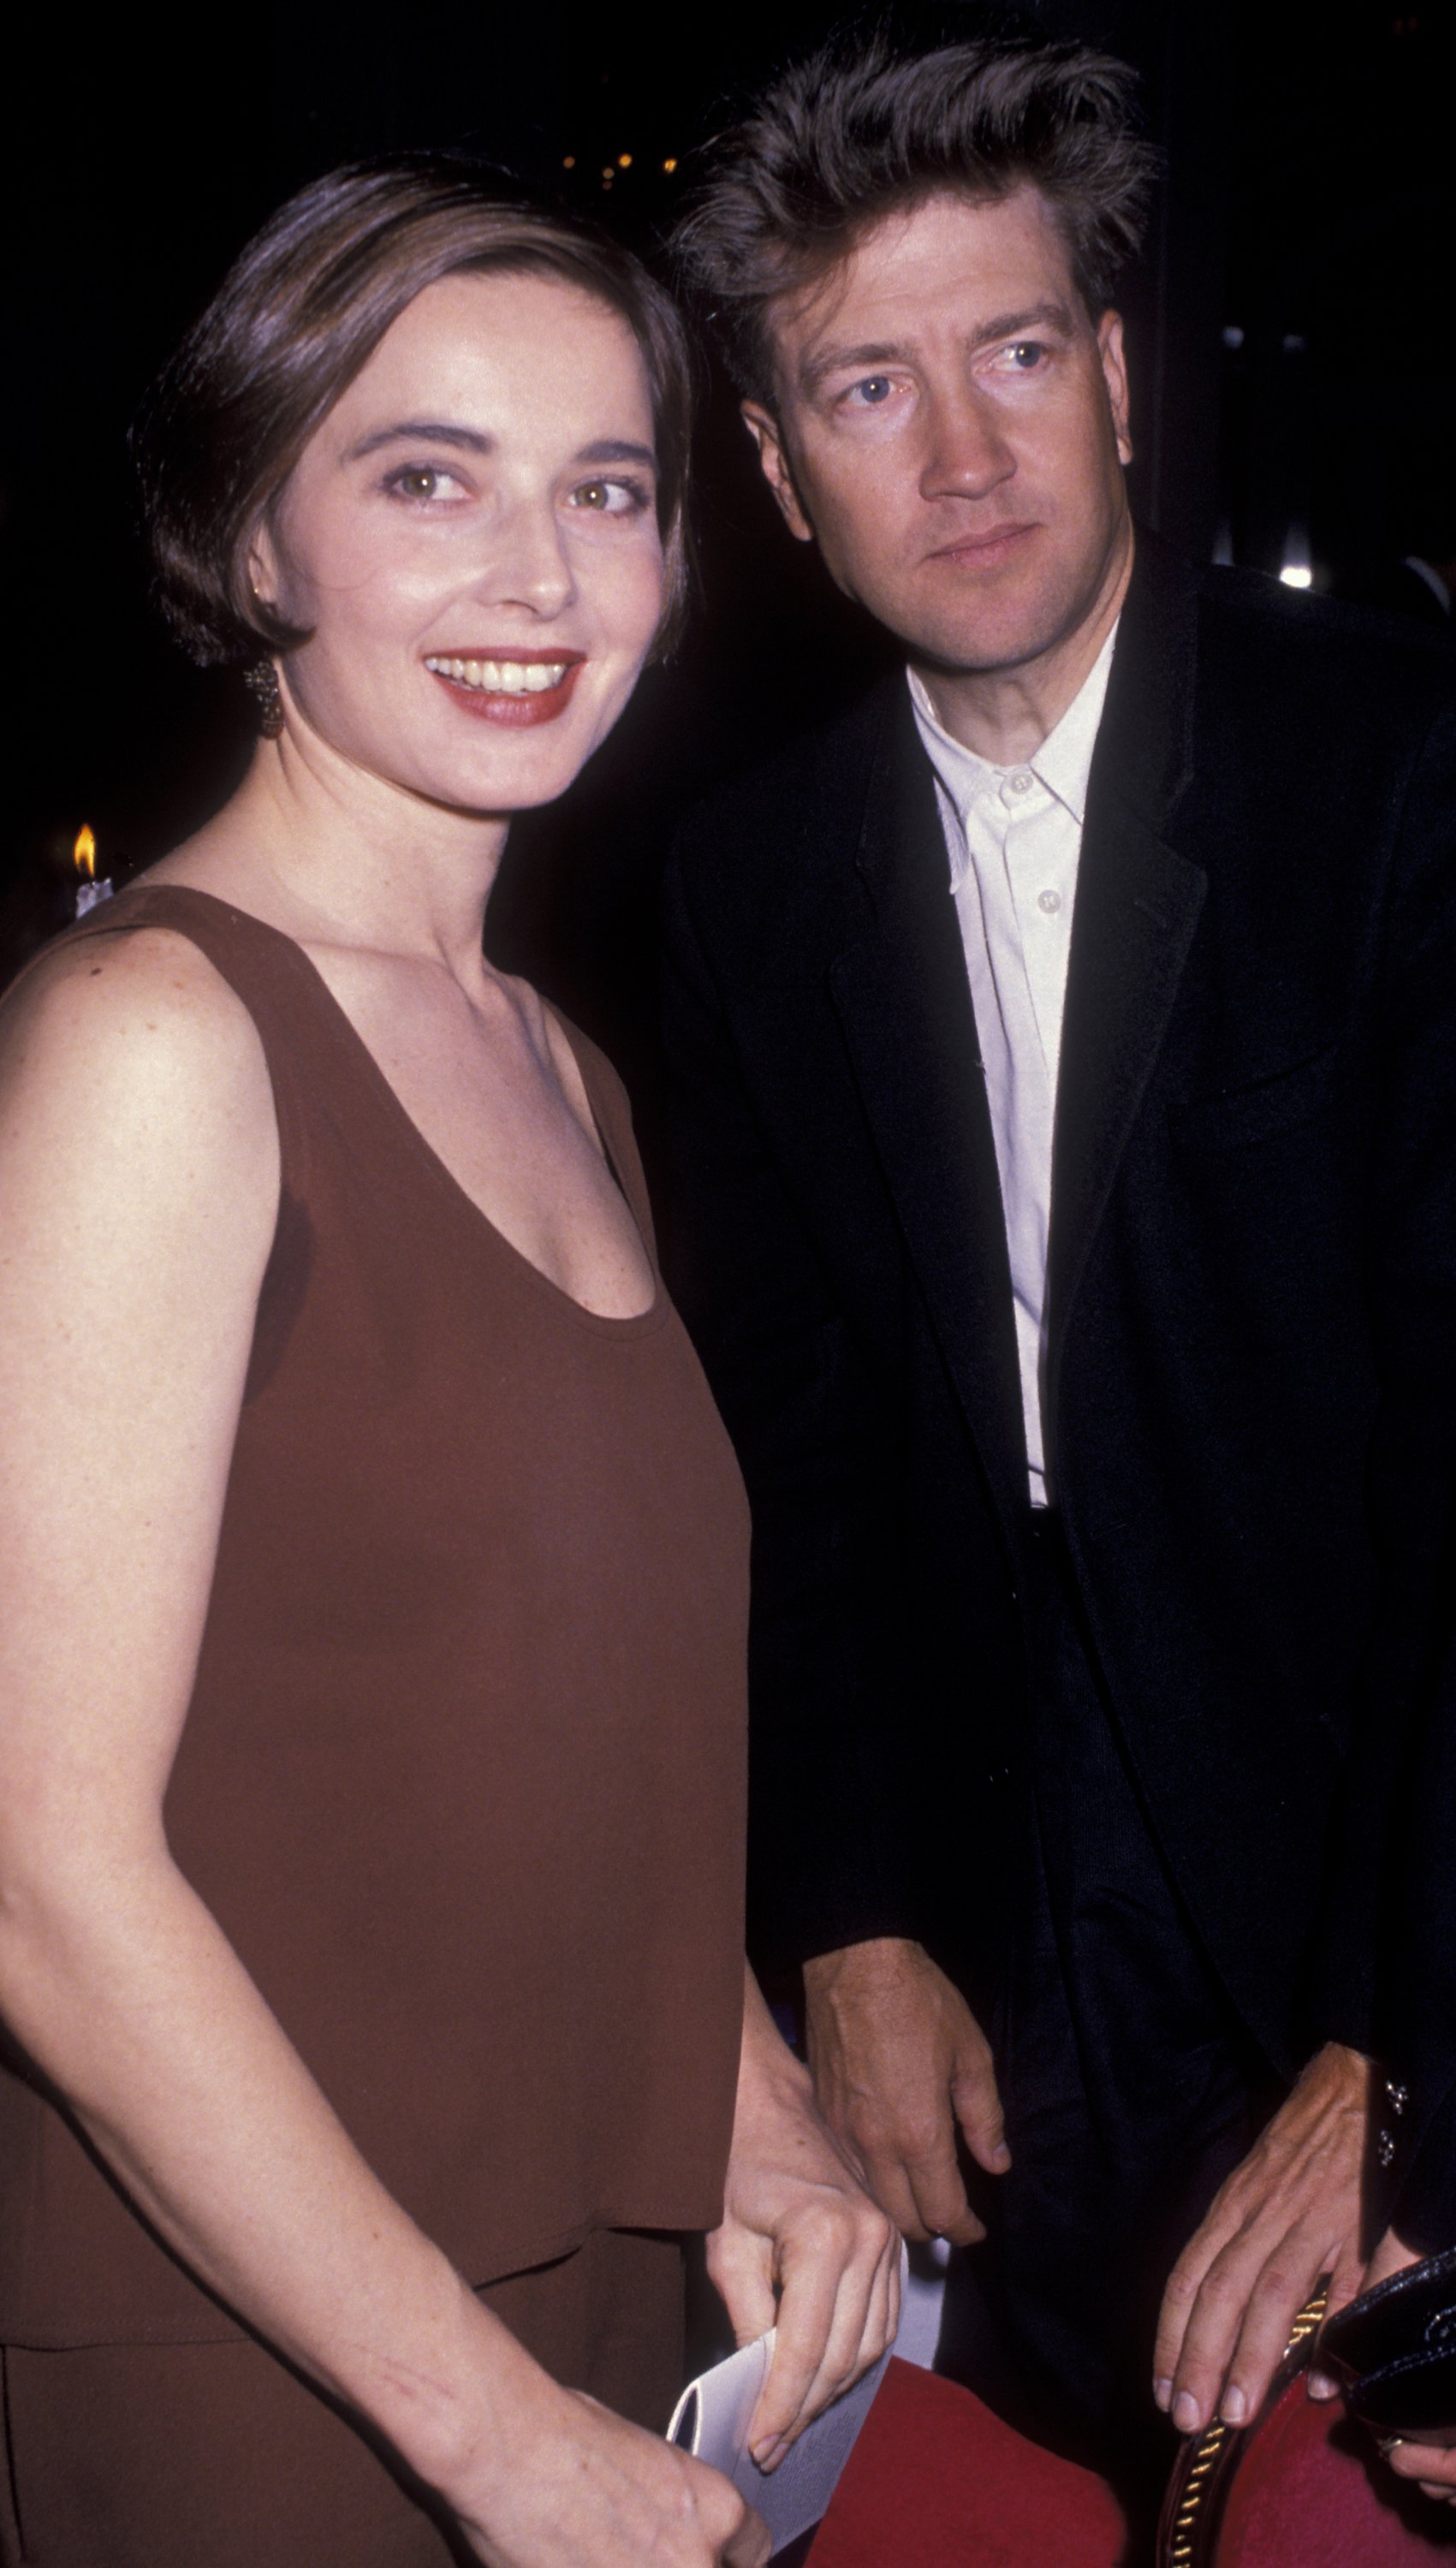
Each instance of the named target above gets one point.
<point>1322,2387</point>
<point>765,2454</point>
<point>1162,2392</point>
<point>1233,2407</point>
<point>1000,2155</point>
<point>1185,2412</point>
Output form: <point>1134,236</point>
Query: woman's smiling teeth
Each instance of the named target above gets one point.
<point>503,677</point>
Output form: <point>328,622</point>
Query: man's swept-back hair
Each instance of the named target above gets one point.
<point>863,129</point>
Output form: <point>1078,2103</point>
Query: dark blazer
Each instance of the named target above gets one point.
<point>1251,1376</point>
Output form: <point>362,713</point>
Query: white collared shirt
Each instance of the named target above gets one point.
<point>1013,836</point>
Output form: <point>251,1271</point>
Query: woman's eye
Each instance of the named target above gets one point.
<point>609,498</point>
<point>424,482</point>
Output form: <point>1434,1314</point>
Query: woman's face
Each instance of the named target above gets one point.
<point>471,535</point>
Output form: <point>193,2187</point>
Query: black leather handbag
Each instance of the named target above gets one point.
<point>1395,2349</point>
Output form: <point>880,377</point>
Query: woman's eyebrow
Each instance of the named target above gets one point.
<point>616,450</point>
<point>431,431</point>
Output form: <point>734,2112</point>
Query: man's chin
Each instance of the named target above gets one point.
<point>971,628</point>
<point>970,649</point>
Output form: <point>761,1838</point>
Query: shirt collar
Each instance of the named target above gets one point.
<point>1062,764</point>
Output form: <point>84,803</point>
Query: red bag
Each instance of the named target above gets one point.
<point>937,2481</point>
<point>1302,2487</point>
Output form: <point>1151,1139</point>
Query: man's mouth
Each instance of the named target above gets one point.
<point>515,688</point>
<point>988,545</point>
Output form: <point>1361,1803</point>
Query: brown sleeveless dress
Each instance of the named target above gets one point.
<point>462,1776</point>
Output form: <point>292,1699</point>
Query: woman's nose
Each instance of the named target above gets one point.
<point>527,562</point>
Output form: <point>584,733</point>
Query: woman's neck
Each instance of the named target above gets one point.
<point>336,856</point>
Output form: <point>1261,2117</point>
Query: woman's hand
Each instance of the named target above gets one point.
<point>1432,2465</point>
<point>579,2488</point>
<point>803,2247</point>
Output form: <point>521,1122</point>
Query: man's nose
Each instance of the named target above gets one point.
<point>969,455</point>
<point>527,562</point>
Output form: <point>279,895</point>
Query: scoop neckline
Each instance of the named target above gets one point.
<point>634,1322</point>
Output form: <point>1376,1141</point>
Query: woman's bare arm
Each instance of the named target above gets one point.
<point>139,1181</point>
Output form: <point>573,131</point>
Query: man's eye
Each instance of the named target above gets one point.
<point>424,482</point>
<point>872,392</point>
<point>1026,354</point>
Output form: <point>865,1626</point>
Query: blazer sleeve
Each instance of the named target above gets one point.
<point>830,1857</point>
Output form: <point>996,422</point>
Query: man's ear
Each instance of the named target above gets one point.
<point>1115,375</point>
<point>767,436</point>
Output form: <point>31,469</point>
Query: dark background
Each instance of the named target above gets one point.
<point>1294,351</point>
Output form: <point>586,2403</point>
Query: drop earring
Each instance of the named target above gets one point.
<point>261,680</point>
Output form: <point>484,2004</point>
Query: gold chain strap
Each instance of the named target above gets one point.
<point>1213,2438</point>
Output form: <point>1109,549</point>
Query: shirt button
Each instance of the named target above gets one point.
<point>1049,902</point>
<point>1022,782</point>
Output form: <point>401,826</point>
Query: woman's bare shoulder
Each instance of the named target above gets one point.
<point>133,1041</point>
<point>145,997</point>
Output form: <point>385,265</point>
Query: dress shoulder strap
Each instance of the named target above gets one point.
<point>611,1110</point>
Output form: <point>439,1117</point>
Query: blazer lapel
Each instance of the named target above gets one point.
<point>904,1005</point>
<point>1137,906</point>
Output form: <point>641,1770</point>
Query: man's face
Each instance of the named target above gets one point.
<point>951,430</point>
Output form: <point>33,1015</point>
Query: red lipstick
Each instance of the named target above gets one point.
<point>471,680</point>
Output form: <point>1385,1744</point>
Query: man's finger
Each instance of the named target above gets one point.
<point>916,2181</point>
<point>1213,2332</point>
<point>1344,2284</point>
<point>1278,2294</point>
<point>977,2101</point>
<point>937,2187</point>
<point>1180,2298</point>
<point>888,2179</point>
<point>942,2205</point>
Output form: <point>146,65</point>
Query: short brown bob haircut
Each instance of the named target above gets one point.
<point>861,130</point>
<point>291,325</point>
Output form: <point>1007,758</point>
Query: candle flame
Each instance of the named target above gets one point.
<point>83,852</point>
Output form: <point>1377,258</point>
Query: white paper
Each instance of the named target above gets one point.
<point>712,2421</point>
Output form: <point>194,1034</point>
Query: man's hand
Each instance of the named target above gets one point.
<point>1432,2465</point>
<point>1290,2213</point>
<point>796,2217</point>
<point>899,2061</point>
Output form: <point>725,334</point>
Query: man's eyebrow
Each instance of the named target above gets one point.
<point>890,352</point>
<point>424,431</point>
<point>833,361</point>
<point>1037,316</point>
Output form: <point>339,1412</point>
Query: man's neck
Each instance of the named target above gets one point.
<point>1004,714</point>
